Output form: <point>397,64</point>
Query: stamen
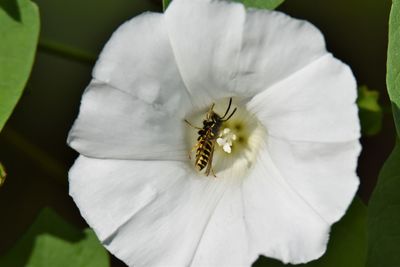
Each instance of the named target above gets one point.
<point>225,140</point>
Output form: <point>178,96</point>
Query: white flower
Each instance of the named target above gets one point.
<point>291,171</point>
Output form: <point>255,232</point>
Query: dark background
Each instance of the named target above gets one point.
<point>33,147</point>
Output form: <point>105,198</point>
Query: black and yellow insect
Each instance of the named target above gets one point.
<point>207,138</point>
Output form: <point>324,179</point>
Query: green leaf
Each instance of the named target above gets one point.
<point>347,245</point>
<point>370,112</point>
<point>19,31</point>
<point>165,4</point>
<point>384,215</point>
<point>3,174</point>
<point>50,241</point>
<point>262,4</point>
<point>393,62</point>
<point>384,205</point>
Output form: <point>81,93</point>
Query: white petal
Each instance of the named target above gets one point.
<point>324,174</point>
<point>274,46</point>
<point>223,50</point>
<point>280,223</point>
<point>139,60</point>
<point>151,213</point>
<point>206,38</point>
<point>315,104</point>
<point>225,242</point>
<point>115,124</point>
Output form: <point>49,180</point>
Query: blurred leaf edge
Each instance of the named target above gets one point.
<point>51,241</point>
<point>20,24</point>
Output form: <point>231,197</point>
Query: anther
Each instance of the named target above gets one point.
<point>225,140</point>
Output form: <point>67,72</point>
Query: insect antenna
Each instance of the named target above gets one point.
<point>229,107</point>
<point>233,112</point>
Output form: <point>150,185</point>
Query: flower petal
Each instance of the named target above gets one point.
<point>280,223</point>
<point>115,124</point>
<point>315,104</point>
<point>139,60</point>
<point>222,50</point>
<point>225,241</point>
<point>206,38</point>
<point>157,213</point>
<point>274,46</point>
<point>323,174</point>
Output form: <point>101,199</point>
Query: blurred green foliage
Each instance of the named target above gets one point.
<point>393,61</point>
<point>50,241</point>
<point>384,206</point>
<point>384,216</point>
<point>370,112</point>
<point>19,32</point>
<point>3,174</point>
<point>165,3</point>
<point>263,4</point>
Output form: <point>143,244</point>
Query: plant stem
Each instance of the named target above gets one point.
<point>39,157</point>
<point>66,51</point>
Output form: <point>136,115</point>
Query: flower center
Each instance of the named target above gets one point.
<point>224,139</point>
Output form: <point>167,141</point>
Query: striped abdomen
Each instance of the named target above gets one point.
<point>204,150</point>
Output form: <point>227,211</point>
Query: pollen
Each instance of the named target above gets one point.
<point>226,139</point>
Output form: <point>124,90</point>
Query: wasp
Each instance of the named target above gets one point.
<point>208,135</point>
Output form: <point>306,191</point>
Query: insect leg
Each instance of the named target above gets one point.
<point>212,107</point>
<point>213,173</point>
<point>198,128</point>
<point>193,149</point>
<point>210,111</point>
